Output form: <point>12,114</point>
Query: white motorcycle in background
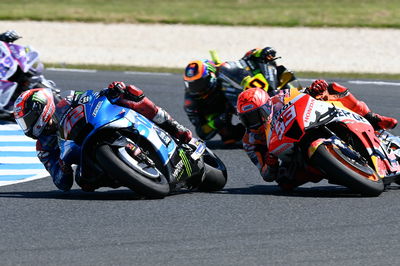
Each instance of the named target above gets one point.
<point>20,70</point>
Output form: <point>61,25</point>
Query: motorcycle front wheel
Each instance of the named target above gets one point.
<point>215,174</point>
<point>347,170</point>
<point>141,184</point>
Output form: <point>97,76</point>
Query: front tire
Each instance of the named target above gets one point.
<point>115,167</point>
<point>354,174</point>
<point>215,174</point>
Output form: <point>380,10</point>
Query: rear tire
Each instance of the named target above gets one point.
<point>357,176</point>
<point>116,168</point>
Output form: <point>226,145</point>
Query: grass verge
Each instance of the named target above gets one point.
<point>287,13</point>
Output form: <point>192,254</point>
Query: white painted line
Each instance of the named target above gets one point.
<point>19,160</point>
<point>38,176</point>
<point>17,139</point>
<point>18,148</point>
<point>9,127</point>
<point>17,172</point>
<point>375,82</point>
<point>147,73</point>
<point>73,70</point>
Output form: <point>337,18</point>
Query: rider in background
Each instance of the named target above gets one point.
<point>9,36</point>
<point>206,105</point>
<point>256,108</point>
<point>39,115</point>
<point>256,59</point>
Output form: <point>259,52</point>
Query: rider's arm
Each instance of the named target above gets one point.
<point>134,98</point>
<point>48,153</point>
<point>204,129</point>
<point>256,148</point>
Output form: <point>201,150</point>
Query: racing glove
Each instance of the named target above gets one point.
<point>270,169</point>
<point>115,89</point>
<point>9,36</point>
<point>318,88</point>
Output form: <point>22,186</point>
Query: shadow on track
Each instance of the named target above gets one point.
<point>330,191</point>
<point>219,145</point>
<point>75,194</point>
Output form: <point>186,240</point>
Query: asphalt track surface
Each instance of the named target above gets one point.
<point>250,222</point>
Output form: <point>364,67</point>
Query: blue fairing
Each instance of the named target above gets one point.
<point>100,113</point>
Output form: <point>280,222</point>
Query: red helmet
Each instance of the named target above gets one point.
<point>200,78</point>
<point>33,110</point>
<point>254,107</point>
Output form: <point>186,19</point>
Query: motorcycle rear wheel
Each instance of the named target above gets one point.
<point>356,175</point>
<point>116,168</point>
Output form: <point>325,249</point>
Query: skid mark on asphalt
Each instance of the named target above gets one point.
<point>18,160</point>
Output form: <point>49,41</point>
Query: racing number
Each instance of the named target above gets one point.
<point>284,120</point>
<point>72,118</point>
<point>257,83</point>
<point>5,66</point>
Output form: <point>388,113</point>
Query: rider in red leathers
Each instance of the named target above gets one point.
<point>256,108</point>
<point>39,114</point>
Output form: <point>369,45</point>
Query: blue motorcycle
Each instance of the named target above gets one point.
<point>114,146</point>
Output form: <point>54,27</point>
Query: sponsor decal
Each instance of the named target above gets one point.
<point>84,99</point>
<point>309,109</point>
<point>351,115</point>
<point>178,170</point>
<point>97,108</point>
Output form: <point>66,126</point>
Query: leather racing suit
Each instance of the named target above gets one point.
<point>256,146</point>
<point>129,96</point>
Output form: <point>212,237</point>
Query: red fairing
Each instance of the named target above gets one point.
<point>283,120</point>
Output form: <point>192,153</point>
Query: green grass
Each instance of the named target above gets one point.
<point>289,13</point>
<point>299,74</point>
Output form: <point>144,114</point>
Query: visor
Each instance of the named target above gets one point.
<point>200,87</point>
<point>257,117</point>
<point>27,121</point>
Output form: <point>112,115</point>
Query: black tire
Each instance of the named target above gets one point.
<point>357,176</point>
<point>215,174</point>
<point>116,168</point>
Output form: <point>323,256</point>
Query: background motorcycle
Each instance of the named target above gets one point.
<point>115,146</point>
<point>238,76</point>
<point>329,141</point>
<point>20,70</point>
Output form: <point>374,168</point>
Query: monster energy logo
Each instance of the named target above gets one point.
<point>211,67</point>
<point>186,162</point>
<point>37,97</point>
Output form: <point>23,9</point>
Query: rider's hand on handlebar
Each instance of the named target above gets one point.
<point>318,89</point>
<point>116,88</point>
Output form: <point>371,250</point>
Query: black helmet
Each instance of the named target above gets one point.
<point>200,78</point>
<point>268,54</point>
<point>33,111</point>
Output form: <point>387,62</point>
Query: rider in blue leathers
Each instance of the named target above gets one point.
<point>38,114</point>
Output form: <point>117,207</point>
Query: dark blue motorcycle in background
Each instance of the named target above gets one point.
<point>114,146</point>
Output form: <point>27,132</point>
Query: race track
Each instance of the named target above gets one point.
<point>250,222</point>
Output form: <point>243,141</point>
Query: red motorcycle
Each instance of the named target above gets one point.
<point>329,141</point>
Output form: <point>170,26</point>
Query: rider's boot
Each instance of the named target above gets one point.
<point>380,121</point>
